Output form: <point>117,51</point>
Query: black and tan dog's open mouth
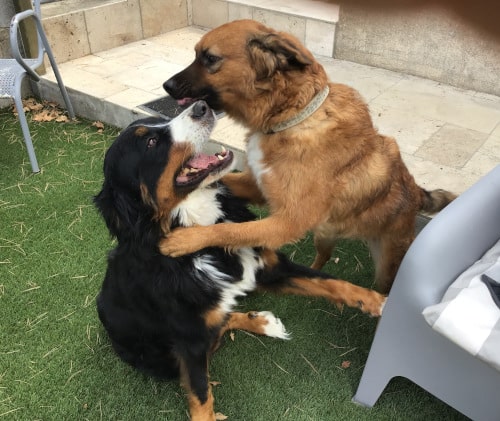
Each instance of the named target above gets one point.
<point>200,166</point>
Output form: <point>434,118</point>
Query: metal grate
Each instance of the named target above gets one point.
<point>167,107</point>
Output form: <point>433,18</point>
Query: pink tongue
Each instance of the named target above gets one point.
<point>202,161</point>
<point>185,101</point>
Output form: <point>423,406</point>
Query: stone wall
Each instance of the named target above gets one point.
<point>431,43</point>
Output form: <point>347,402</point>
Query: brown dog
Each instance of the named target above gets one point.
<point>314,155</point>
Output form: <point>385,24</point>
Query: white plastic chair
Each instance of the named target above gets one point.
<point>404,344</point>
<point>13,71</point>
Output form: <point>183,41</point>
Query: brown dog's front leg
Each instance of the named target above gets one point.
<point>271,232</point>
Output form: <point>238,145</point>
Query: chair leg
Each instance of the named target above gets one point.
<point>26,133</point>
<point>55,69</point>
<point>370,388</point>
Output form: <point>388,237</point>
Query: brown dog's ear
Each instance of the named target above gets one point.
<point>272,52</point>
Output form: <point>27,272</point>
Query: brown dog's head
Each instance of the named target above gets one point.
<point>250,71</point>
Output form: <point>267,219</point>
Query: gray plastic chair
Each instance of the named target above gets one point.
<point>13,71</point>
<point>404,344</point>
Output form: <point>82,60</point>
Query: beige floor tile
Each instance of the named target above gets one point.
<point>83,81</point>
<point>158,17</point>
<point>320,37</point>
<point>487,157</point>
<point>105,33</point>
<point>430,175</point>
<point>369,81</point>
<point>443,103</point>
<point>411,131</point>
<point>229,132</point>
<point>72,29</point>
<point>292,24</point>
<point>452,146</point>
<point>131,97</point>
<point>209,13</point>
<point>239,11</point>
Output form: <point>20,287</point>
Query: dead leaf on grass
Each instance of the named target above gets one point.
<point>219,416</point>
<point>215,383</point>
<point>42,111</point>
<point>231,336</point>
<point>99,125</point>
<point>345,364</point>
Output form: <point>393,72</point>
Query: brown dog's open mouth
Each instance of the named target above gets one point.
<point>200,166</point>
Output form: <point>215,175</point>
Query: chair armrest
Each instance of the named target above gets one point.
<point>16,52</point>
<point>458,236</point>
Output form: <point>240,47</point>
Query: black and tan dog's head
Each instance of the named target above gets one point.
<point>153,165</point>
<point>243,67</point>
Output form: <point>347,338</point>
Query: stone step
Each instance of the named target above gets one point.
<point>76,28</point>
<point>312,22</point>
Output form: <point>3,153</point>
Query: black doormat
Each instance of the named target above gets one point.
<point>168,107</point>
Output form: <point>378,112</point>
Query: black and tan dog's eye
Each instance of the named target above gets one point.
<point>152,142</point>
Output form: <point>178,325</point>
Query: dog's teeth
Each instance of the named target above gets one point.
<point>223,150</point>
<point>193,170</point>
<point>220,157</point>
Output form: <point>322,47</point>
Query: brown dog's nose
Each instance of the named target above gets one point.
<point>170,85</point>
<point>200,108</point>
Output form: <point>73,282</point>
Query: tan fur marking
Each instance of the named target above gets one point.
<point>141,131</point>
<point>250,322</point>
<point>269,257</point>
<point>197,410</point>
<point>214,317</point>
<point>166,196</point>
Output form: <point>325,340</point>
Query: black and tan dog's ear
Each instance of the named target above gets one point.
<point>115,210</point>
<point>277,52</point>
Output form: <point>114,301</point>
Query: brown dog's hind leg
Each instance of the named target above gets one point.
<point>324,246</point>
<point>387,253</point>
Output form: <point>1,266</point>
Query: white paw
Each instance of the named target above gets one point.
<point>274,327</point>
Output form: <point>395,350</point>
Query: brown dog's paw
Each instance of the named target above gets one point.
<point>181,241</point>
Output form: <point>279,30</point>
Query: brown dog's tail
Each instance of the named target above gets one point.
<point>435,200</point>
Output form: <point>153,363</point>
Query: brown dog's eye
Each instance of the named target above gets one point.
<point>210,59</point>
<point>152,142</point>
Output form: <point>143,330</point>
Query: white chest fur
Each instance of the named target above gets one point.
<point>255,156</point>
<point>199,208</point>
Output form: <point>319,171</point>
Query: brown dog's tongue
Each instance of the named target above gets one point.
<point>185,101</point>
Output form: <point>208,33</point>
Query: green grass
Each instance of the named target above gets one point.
<point>55,359</point>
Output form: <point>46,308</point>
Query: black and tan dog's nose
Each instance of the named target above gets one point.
<point>200,108</point>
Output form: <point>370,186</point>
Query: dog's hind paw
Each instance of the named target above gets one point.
<point>274,327</point>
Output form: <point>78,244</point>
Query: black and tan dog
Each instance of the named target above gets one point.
<point>165,315</point>
<point>313,153</point>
